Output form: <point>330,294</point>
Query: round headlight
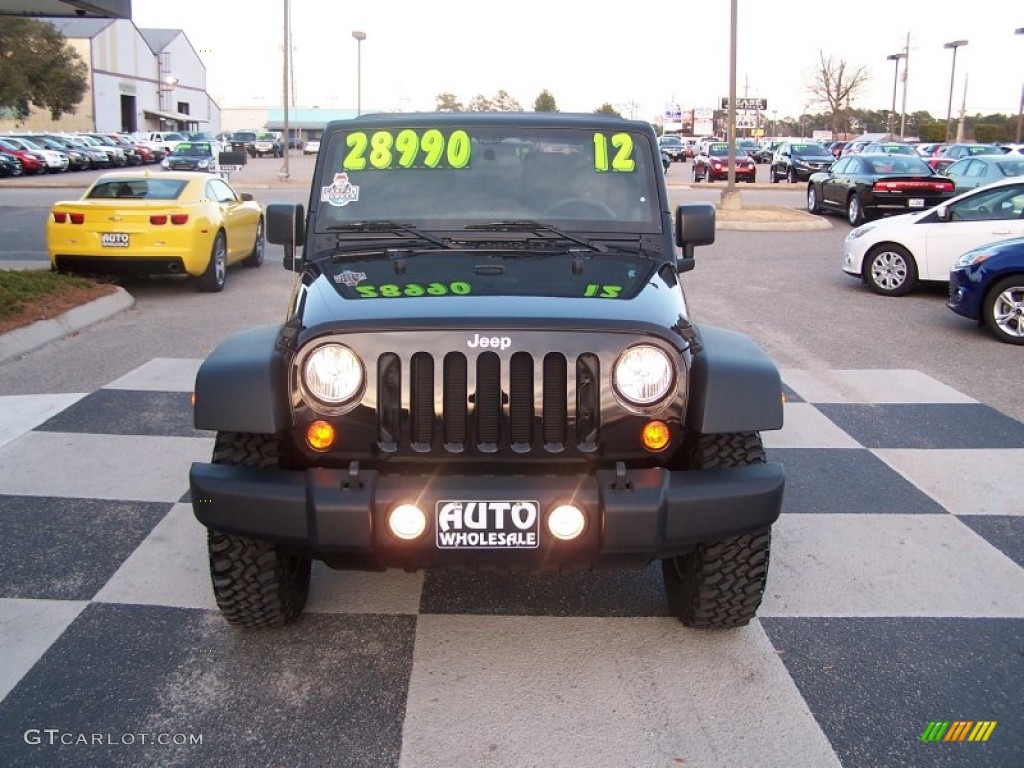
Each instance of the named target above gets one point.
<point>333,374</point>
<point>643,375</point>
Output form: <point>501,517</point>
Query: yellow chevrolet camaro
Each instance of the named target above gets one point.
<point>143,223</point>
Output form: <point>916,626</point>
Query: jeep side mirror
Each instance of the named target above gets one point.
<point>695,225</point>
<point>286,225</point>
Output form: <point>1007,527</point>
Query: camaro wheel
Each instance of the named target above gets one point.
<point>720,583</point>
<point>890,270</point>
<point>212,280</point>
<point>255,258</point>
<point>813,204</point>
<point>854,211</point>
<point>1004,310</point>
<point>256,583</point>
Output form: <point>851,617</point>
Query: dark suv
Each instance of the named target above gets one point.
<point>674,147</point>
<point>797,161</point>
<point>244,141</point>
<point>488,362</point>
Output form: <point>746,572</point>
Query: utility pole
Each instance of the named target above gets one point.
<point>906,69</point>
<point>963,111</point>
<point>285,171</point>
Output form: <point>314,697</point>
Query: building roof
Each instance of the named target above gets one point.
<point>306,119</point>
<point>80,28</point>
<point>158,39</point>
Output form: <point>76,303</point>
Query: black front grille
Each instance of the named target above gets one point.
<point>483,405</point>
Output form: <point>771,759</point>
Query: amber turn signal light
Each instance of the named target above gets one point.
<point>655,435</point>
<point>320,435</point>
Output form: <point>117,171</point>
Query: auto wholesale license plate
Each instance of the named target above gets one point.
<point>916,202</point>
<point>487,524</point>
<point>114,239</point>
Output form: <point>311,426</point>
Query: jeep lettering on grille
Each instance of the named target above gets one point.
<point>494,342</point>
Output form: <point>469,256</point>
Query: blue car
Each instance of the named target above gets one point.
<point>987,285</point>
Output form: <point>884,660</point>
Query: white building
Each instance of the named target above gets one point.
<point>138,80</point>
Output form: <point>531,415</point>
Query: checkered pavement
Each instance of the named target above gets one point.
<point>895,598</point>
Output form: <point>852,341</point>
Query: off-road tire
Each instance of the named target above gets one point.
<point>720,583</point>
<point>256,583</point>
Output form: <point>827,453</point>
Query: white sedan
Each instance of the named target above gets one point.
<point>892,255</point>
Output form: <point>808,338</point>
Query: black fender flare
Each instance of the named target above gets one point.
<point>734,386</point>
<point>243,385</point>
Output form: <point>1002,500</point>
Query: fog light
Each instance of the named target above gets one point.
<point>407,521</point>
<point>655,435</point>
<point>566,522</point>
<point>320,435</point>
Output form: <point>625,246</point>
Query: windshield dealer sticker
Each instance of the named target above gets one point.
<point>341,192</point>
<point>350,278</point>
<point>488,524</point>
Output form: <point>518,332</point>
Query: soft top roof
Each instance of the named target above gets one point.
<point>551,119</point>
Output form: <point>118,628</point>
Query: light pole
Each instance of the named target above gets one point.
<point>895,79</point>
<point>1020,109</point>
<point>359,37</point>
<point>952,73</point>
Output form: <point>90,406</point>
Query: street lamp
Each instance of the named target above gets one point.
<point>949,109</point>
<point>895,79</point>
<point>1020,109</point>
<point>359,37</point>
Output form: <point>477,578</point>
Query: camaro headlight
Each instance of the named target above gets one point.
<point>643,375</point>
<point>333,374</point>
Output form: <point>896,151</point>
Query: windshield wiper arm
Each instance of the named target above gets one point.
<point>515,225</point>
<point>388,226</point>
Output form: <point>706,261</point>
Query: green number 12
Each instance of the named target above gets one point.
<point>623,161</point>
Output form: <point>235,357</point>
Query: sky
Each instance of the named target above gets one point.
<point>638,58</point>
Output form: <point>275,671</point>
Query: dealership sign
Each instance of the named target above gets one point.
<point>746,103</point>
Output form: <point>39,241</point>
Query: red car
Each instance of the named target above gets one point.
<point>30,162</point>
<point>713,164</point>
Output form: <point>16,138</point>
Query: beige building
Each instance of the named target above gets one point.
<point>138,80</point>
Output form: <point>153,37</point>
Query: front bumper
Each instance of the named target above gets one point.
<point>633,516</point>
<point>964,294</point>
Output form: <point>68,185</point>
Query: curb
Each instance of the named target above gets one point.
<point>42,332</point>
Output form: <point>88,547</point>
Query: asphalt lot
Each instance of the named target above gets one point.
<point>895,596</point>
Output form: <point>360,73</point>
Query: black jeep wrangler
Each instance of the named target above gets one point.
<point>488,362</point>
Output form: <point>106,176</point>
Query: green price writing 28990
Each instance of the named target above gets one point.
<point>385,150</point>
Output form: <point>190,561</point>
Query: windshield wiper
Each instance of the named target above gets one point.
<point>388,226</point>
<point>515,225</point>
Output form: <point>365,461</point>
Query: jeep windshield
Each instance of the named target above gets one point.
<point>455,176</point>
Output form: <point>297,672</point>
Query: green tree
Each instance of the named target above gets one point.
<point>607,109</point>
<point>545,102</point>
<point>39,68</point>
<point>446,102</point>
<point>503,102</point>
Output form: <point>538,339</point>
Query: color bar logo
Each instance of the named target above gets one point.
<point>958,730</point>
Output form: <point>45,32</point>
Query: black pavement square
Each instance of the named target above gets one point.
<point>925,425</point>
<point>1004,532</point>
<point>67,549</point>
<point>328,690</point>
<point>874,685</point>
<point>603,593</point>
<point>847,480</point>
<point>128,412</point>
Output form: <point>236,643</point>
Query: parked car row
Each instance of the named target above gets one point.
<point>974,241</point>
<point>31,153</point>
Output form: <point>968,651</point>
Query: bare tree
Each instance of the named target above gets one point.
<point>834,85</point>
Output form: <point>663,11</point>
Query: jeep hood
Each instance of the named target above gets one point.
<point>464,290</point>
